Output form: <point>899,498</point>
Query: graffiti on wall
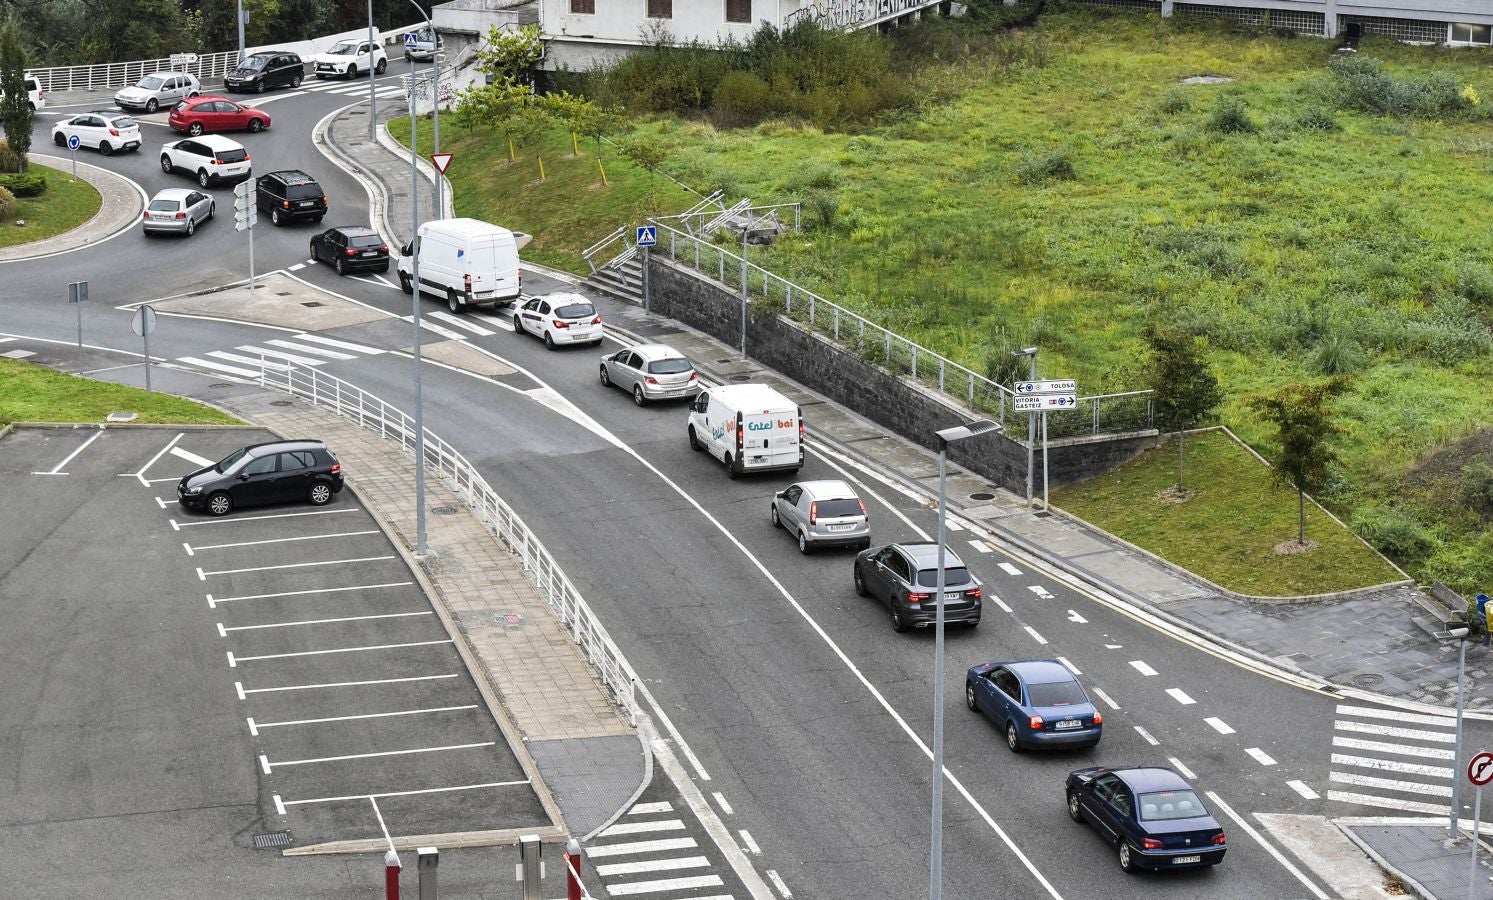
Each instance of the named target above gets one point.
<point>849,13</point>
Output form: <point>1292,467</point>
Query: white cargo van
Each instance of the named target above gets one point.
<point>467,261</point>
<point>749,427</point>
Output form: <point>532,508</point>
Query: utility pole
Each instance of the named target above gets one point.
<point>243,19</point>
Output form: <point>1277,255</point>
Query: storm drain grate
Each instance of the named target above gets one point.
<point>982,495</point>
<point>312,303</point>
<point>741,377</point>
<point>443,510</point>
<point>282,293</point>
<point>281,403</point>
<point>221,384</point>
<point>271,840</point>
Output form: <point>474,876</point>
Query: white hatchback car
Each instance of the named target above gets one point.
<point>212,158</point>
<point>160,90</point>
<point>103,130</point>
<point>562,318</point>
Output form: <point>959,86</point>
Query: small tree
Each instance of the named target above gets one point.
<point>1302,416</point>
<point>509,52</point>
<point>15,108</point>
<point>647,153</point>
<point>1185,389</point>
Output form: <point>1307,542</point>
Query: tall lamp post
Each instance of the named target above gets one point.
<point>1461,635</point>
<point>420,546</point>
<point>1031,420</point>
<point>372,100</point>
<point>935,855</point>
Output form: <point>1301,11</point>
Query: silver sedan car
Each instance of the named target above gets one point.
<point>178,210</point>
<point>822,513</point>
<point>651,372</point>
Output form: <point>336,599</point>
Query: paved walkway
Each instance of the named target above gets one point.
<point>1428,864</point>
<point>122,205</point>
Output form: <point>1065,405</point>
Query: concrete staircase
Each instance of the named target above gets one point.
<point>624,280</point>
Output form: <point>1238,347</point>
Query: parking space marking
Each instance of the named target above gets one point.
<point>57,469</point>
<point>281,803</point>
<point>213,603</point>
<point>227,519</point>
<point>255,726</point>
<point>1099,692</point>
<point>269,767</point>
<point>306,537</point>
<point>1147,735</point>
<point>223,631</point>
<point>233,661</point>
<point>243,692</point>
<point>1177,764</point>
<point>202,576</point>
<point>191,457</point>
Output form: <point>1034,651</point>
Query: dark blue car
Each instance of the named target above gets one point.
<point>1038,703</point>
<point>1150,815</point>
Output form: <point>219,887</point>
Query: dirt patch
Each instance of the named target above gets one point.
<point>1446,464</point>
<point>1176,495</point>
<point>1293,547</point>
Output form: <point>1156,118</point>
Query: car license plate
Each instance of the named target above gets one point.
<point>840,527</point>
<point>370,253</point>
<point>1182,860</point>
<point>306,203</point>
<point>1069,723</point>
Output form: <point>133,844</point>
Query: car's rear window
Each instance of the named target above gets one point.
<point>235,155</point>
<point>575,310</point>
<point>669,366</point>
<point>1058,693</point>
<point>310,191</point>
<point>164,205</point>
<point>365,240</point>
<point>952,575</point>
<point>1163,805</point>
<point>830,509</point>
<point>122,122</point>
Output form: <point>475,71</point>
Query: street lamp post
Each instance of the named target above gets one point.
<point>372,100</point>
<point>420,546</point>
<point>1461,635</point>
<point>946,437</point>
<point>1031,421</point>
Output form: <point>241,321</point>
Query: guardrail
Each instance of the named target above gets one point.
<point>1127,411</point>
<point>391,423</point>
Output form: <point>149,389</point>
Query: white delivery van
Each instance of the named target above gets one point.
<point>467,261</point>
<point>749,427</point>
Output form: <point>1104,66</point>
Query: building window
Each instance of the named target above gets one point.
<point>660,9</point>
<point>583,6</point>
<point>1463,33</point>
<point>738,10</point>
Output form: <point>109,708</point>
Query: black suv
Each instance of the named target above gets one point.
<point>266,69</point>
<point>290,194</point>
<point>277,472</point>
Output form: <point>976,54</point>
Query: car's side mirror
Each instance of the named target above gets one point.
<point>243,476</point>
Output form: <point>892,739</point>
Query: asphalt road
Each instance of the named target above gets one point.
<point>791,695</point>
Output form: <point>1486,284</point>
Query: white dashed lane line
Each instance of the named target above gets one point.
<point>1099,692</point>
<point>1260,756</point>
<point>1180,696</point>
<point>1217,724</point>
<point>980,546</point>
<point>1301,788</point>
<point>1009,569</point>
<point>1141,667</point>
<point>1146,735</point>
<point>1035,636</point>
<point>1181,769</point>
<point>1071,667</point>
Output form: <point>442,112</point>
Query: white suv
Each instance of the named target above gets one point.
<point>36,97</point>
<point>211,158</point>
<point>349,58</point>
<point>104,130</point>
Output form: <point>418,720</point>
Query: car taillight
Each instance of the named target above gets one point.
<point>145,215</point>
<point>383,248</point>
<point>740,434</point>
<point>1098,719</point>
<point>1035,723</point>
<point>596,321</point>
<point>285,204</point>
<point>336,468</point>
<point>114,131</point>
<point>1218,840</point>
<point>915,597</point>
<point>181,215</point>
<point>694,376</point>
<point>560,324</point>
<point>859,502</point>
<point>651,380</point>
<point>813,512</point>
<point>324,198</point>
<point>973,592</point>
<point>351,251</point>
<point>466,281</point>
<point>1150,844</point>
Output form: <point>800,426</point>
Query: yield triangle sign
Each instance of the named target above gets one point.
<point>441,160</point>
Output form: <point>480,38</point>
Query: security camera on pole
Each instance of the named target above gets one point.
<point>245,214</point>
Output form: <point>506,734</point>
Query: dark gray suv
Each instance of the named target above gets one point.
<point>904,577</point>
<point>264,70</point>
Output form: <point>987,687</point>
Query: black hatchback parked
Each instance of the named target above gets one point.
<point>351,248</point>
<point>276,472</point>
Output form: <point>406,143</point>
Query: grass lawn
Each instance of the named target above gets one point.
<point>61,207</point>
<point>1228,529</point>
<point>32,393</point>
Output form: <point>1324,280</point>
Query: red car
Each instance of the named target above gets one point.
<point>209,112</point>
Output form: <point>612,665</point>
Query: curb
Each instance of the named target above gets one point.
<point>1415,887</point>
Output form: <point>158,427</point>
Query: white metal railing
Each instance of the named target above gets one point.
<point>1126,411</point>
<point>355,404</point>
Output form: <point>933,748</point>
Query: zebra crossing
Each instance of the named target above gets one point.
<point>1392,759</point>
<point>357,87</point>
<point>304,349</point>
<point>651,853</point>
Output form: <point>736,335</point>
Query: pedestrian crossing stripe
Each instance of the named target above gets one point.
<point>1387,767</point>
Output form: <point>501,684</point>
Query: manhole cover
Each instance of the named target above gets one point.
<point>273,839</point>
<point>221,384</point>
<point>282,403</point>
<point>1368,680</point>
<point>982,495</point>
<point>726,360</point>
<point>311,303</point>
<point>282,293</point>
<point>742,377</point>
<point>443,510</point>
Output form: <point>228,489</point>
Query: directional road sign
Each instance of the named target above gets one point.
<point>647,235</point>
<point>441,160</point>
<point>1043,402</point>
<point>1480,768</point>
<point>73,142</point>
<point>1065,386</point>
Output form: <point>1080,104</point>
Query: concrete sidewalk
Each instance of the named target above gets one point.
<point>1428,864</point>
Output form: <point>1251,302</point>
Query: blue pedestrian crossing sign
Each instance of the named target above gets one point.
<point>73,142</point>
<point>410,39</point>
<point>647,235</point>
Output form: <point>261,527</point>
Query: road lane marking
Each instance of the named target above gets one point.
<point>1185,772</point>
<point>953,525</point>
<point>1218,725</point>
<point>1099,692</point>
<point>644,809</point>
<point>652,865</point>
<point>232,660</point>
<point>1301,788</point>
<point>439,790</point>
<point>304,348</point>
<point>1260,756</point>
<point>1259,839</point>
<point>297,267</point>
<point>981,547</point>
<point>340,345</point>
<point>254,726</point>
<point>1369,712</point>
<point>664,884</point>
<point>243,691</point>
<point>1180,696</point>
<point>1142,668</point>
<point>269,766</point>
<point>642,827</point>
<point>1077,619</point>
<point>329,562</point>
<point>1402,749</point>
<point>1147,735</point>
<point>462,323</point>
<point>1413,734</point>
<point>438,329</point>
<point>1040,591</point>
<point>228,520</point>
<point>224,631</point>
<point>240,358</point>
<point>749,843</point>
<point>1390,765</point>
<point>1430,809</point>
<point>333,590</point>
<point>194,459</point>
<point>1391,784</point>
<point>1009,569</point>
<point>1071,667</point>
<point>720,801</point>
<point>999,602</point>
<point>1035,636</point>
<point>493,321</point>
<point>777,882</point>
<point>220,367</point>
<point>57,469</point>
<point>305,537</point>
<point>684,843</point>
<point>281,354</point>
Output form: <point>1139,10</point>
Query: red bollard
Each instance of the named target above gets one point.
<point>573,863</point>
<point>391,876</point>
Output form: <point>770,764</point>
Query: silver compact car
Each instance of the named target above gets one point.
<point>178,211</point>
<point>159,90</point>
<point>822,514</point>
<point>650,372</point>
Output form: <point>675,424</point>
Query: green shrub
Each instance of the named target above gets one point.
<point>1394,533</point>
<point>10,161</point>
<point>1231,116</point>
<point>1338,354</point>
<point>1044,165</point>
<point>1360,82</point>
<point>1175,101</point>
<point>7,205</point>
<point>825,206</point>
<point>1475,284</point>
<point>29,184</point>
<point>740,99</point>
<point>1315,118</point>
<point>1477,488</point>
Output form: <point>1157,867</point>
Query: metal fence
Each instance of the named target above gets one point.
<point>391,423</point>
<point>1095,414</point>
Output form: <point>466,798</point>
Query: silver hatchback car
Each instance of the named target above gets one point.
<point>178,211</point>
<point>822,513</point>
<point>651,372</point>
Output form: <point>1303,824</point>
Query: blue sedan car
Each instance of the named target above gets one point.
<point>1150,815</point>
<point>1038,703</point>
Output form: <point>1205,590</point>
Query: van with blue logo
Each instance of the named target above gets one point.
<point>749,427</point>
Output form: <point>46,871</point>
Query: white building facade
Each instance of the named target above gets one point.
<point>1455,22</point>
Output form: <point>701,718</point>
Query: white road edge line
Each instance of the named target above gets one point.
<point>1178,765</point>
<point>1259,839</point>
